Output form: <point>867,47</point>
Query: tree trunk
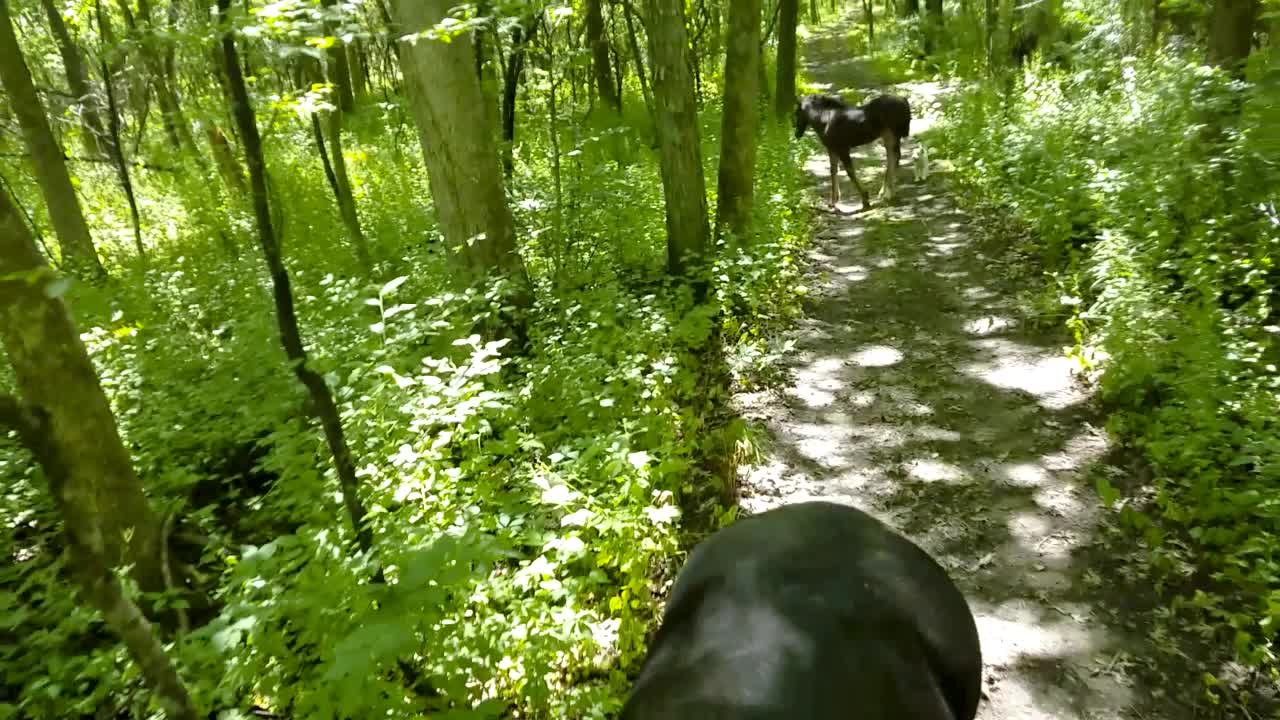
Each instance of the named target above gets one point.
<point>641,75</point>
<point>764,40</point>
<point>339,55</point>
<point>101,499</point>
<point>933,25</point>
<point>335,171</point>
<point>392,46</point>
<point>77,81</point>
<point>909,8</point>
<point>785,84</point>
<point>228,166</point>
<point>98,583</point>
<point>46,156</point>
<point>175,121</point>
<point>317,132</point>
<point>1033,27</point>
<point>521,35</point>
<point>462,160</point>
<point>992,24</point>
<point>693,53</point>
<point>339,77</point>
<point>553,130</point>
<point>1231,26</point>
<point>115,146</point>
<point>286,317</point>
<point>64,420</point>
<point>679,149</point>
<point>339,70</point>
<point>739,120</point>
<point>600,69</point>
<point>773,23</point>
<point>342,192</point>
<point>684,191</point>
<point>358,57</point>
<point>619,60</point>
<point>37,329</point>
<point>487,74</point>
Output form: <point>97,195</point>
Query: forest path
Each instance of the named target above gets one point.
<point>917,394</point>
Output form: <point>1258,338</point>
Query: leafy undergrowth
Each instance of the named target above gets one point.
<point>1149,187</point>
<point>523,507</point>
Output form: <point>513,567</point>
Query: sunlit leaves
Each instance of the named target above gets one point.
<point>559,468</point>
<point>1157,255</point>
<point>447,29</point>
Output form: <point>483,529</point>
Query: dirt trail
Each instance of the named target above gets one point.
<point>916,394</point>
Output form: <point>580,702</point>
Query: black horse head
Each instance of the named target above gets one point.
<point>811,108</point>
<point>802,117</point>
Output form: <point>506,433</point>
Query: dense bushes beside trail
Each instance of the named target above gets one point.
<point>1151,186</point>
<point>521,509</point>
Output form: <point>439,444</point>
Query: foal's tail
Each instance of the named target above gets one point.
<point>901,127</point>
<point>903,124</point>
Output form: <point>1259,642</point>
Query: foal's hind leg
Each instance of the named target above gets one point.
<point>847,161</point>
<point>892,153</point>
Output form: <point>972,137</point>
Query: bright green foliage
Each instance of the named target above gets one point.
<point>523,507</point>
<point>1149,182</point>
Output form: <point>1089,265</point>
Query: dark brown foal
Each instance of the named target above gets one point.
<point>842,128</point>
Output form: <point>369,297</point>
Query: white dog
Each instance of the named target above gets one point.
<point>921,161</point>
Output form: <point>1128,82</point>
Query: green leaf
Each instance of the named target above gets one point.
<point>392,285</point>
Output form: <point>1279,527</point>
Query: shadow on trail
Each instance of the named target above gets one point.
<point>918,395</point>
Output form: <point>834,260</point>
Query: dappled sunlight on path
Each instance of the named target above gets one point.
<point>917,394</point>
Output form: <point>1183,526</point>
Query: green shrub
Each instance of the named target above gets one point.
<point>524,509</point>
<point>1150,181</point>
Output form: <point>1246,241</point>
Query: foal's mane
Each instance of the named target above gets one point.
<point>823,101</point>
<point>821,105</point>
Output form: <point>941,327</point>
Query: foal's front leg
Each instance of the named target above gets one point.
<point>847,161</point>
<point>835,179</point>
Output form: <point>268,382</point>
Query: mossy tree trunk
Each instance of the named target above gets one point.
<point>785,82</point>
<point>521,35</point>
<point>933,23</point>
<point>1231,26</point>
<point>105,512</point>
<point>47,158</point>
<point>463,167</point>
<point>739,120</point>
<point>339,64</point>
<point>92,129</point>
<point>679,148</point>
<point>64,420</point>
<point>600,68</point>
